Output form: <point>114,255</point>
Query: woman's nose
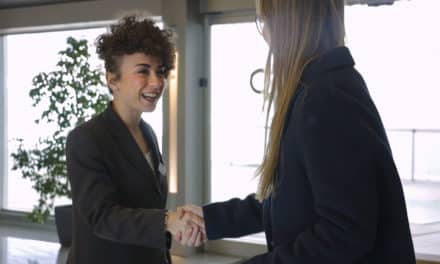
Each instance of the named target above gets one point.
<point>155,80</point>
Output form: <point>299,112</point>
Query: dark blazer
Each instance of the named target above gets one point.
<point>118,202</point>
<point>338,197</point>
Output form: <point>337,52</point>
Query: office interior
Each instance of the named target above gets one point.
<point>210,121</point>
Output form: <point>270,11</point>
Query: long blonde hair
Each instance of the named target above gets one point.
<point>300,30</point>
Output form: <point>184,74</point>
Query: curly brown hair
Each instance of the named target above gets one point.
<point>131,35</point>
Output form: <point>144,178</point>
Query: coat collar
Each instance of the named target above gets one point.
<point>339,57</point>
<point>128,146</point>
<point>334,59</point>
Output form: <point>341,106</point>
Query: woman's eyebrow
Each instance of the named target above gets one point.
<point>143,65</point>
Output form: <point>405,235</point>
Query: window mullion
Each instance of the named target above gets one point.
<point>3,115</point>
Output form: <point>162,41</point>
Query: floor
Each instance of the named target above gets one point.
<point>26,251</point>
<point>21,245</point>
<point>16,247</point>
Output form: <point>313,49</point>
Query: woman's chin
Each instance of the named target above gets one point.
<point>148,108</point>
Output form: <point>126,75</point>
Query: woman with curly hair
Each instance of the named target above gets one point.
<point>117,174</point>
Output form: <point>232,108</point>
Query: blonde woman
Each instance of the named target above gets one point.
<point>329,190</point>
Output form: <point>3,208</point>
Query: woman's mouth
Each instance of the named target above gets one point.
<point>150,97</point>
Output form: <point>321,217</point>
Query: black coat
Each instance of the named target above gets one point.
<point>338,196</point>
<point>118,202</point>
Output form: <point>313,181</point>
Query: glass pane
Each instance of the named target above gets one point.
<point>397,53</point>
<point>22,64</point>
<point>155,121</point>
<point>401,145</point>
<point>237,120</point>
<point>423,194</point>
<point>427,160</point>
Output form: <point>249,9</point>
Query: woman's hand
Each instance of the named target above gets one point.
<point>186,227</point>
<point>194,214</point>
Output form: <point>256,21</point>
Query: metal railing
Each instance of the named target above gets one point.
<point>413,132</point>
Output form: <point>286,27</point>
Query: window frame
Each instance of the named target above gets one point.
<point>234,247</point>
<point>3,115</point>
<point>210,20</point>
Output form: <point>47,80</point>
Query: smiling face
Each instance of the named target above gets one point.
<point>140,83</point>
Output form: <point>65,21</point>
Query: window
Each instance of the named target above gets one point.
<point>22,62</point>
<point>398,58</point>
<point>237,119</point>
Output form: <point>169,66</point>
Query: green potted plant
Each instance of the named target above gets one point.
<point>68,96</point>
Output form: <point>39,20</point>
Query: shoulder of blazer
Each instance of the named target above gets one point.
<point>150,131</point>
<point>89,128</point>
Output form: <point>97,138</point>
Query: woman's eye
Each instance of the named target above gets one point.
<point>144,71</point>
<point>160,73</point>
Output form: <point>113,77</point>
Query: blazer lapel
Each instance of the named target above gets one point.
<point>129,147</point>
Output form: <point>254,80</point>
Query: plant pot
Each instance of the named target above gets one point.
<point>63,221</point>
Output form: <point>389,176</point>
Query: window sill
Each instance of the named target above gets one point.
<point>19,219</point>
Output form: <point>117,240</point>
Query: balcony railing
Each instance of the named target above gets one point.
<point>416,153</point>
<point>424,151</point>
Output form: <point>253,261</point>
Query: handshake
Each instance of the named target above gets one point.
<point>187,225</point>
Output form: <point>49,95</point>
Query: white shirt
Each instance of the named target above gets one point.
<point>149,159</point>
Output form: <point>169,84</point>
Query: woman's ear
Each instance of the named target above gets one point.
<point>111,81</point>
